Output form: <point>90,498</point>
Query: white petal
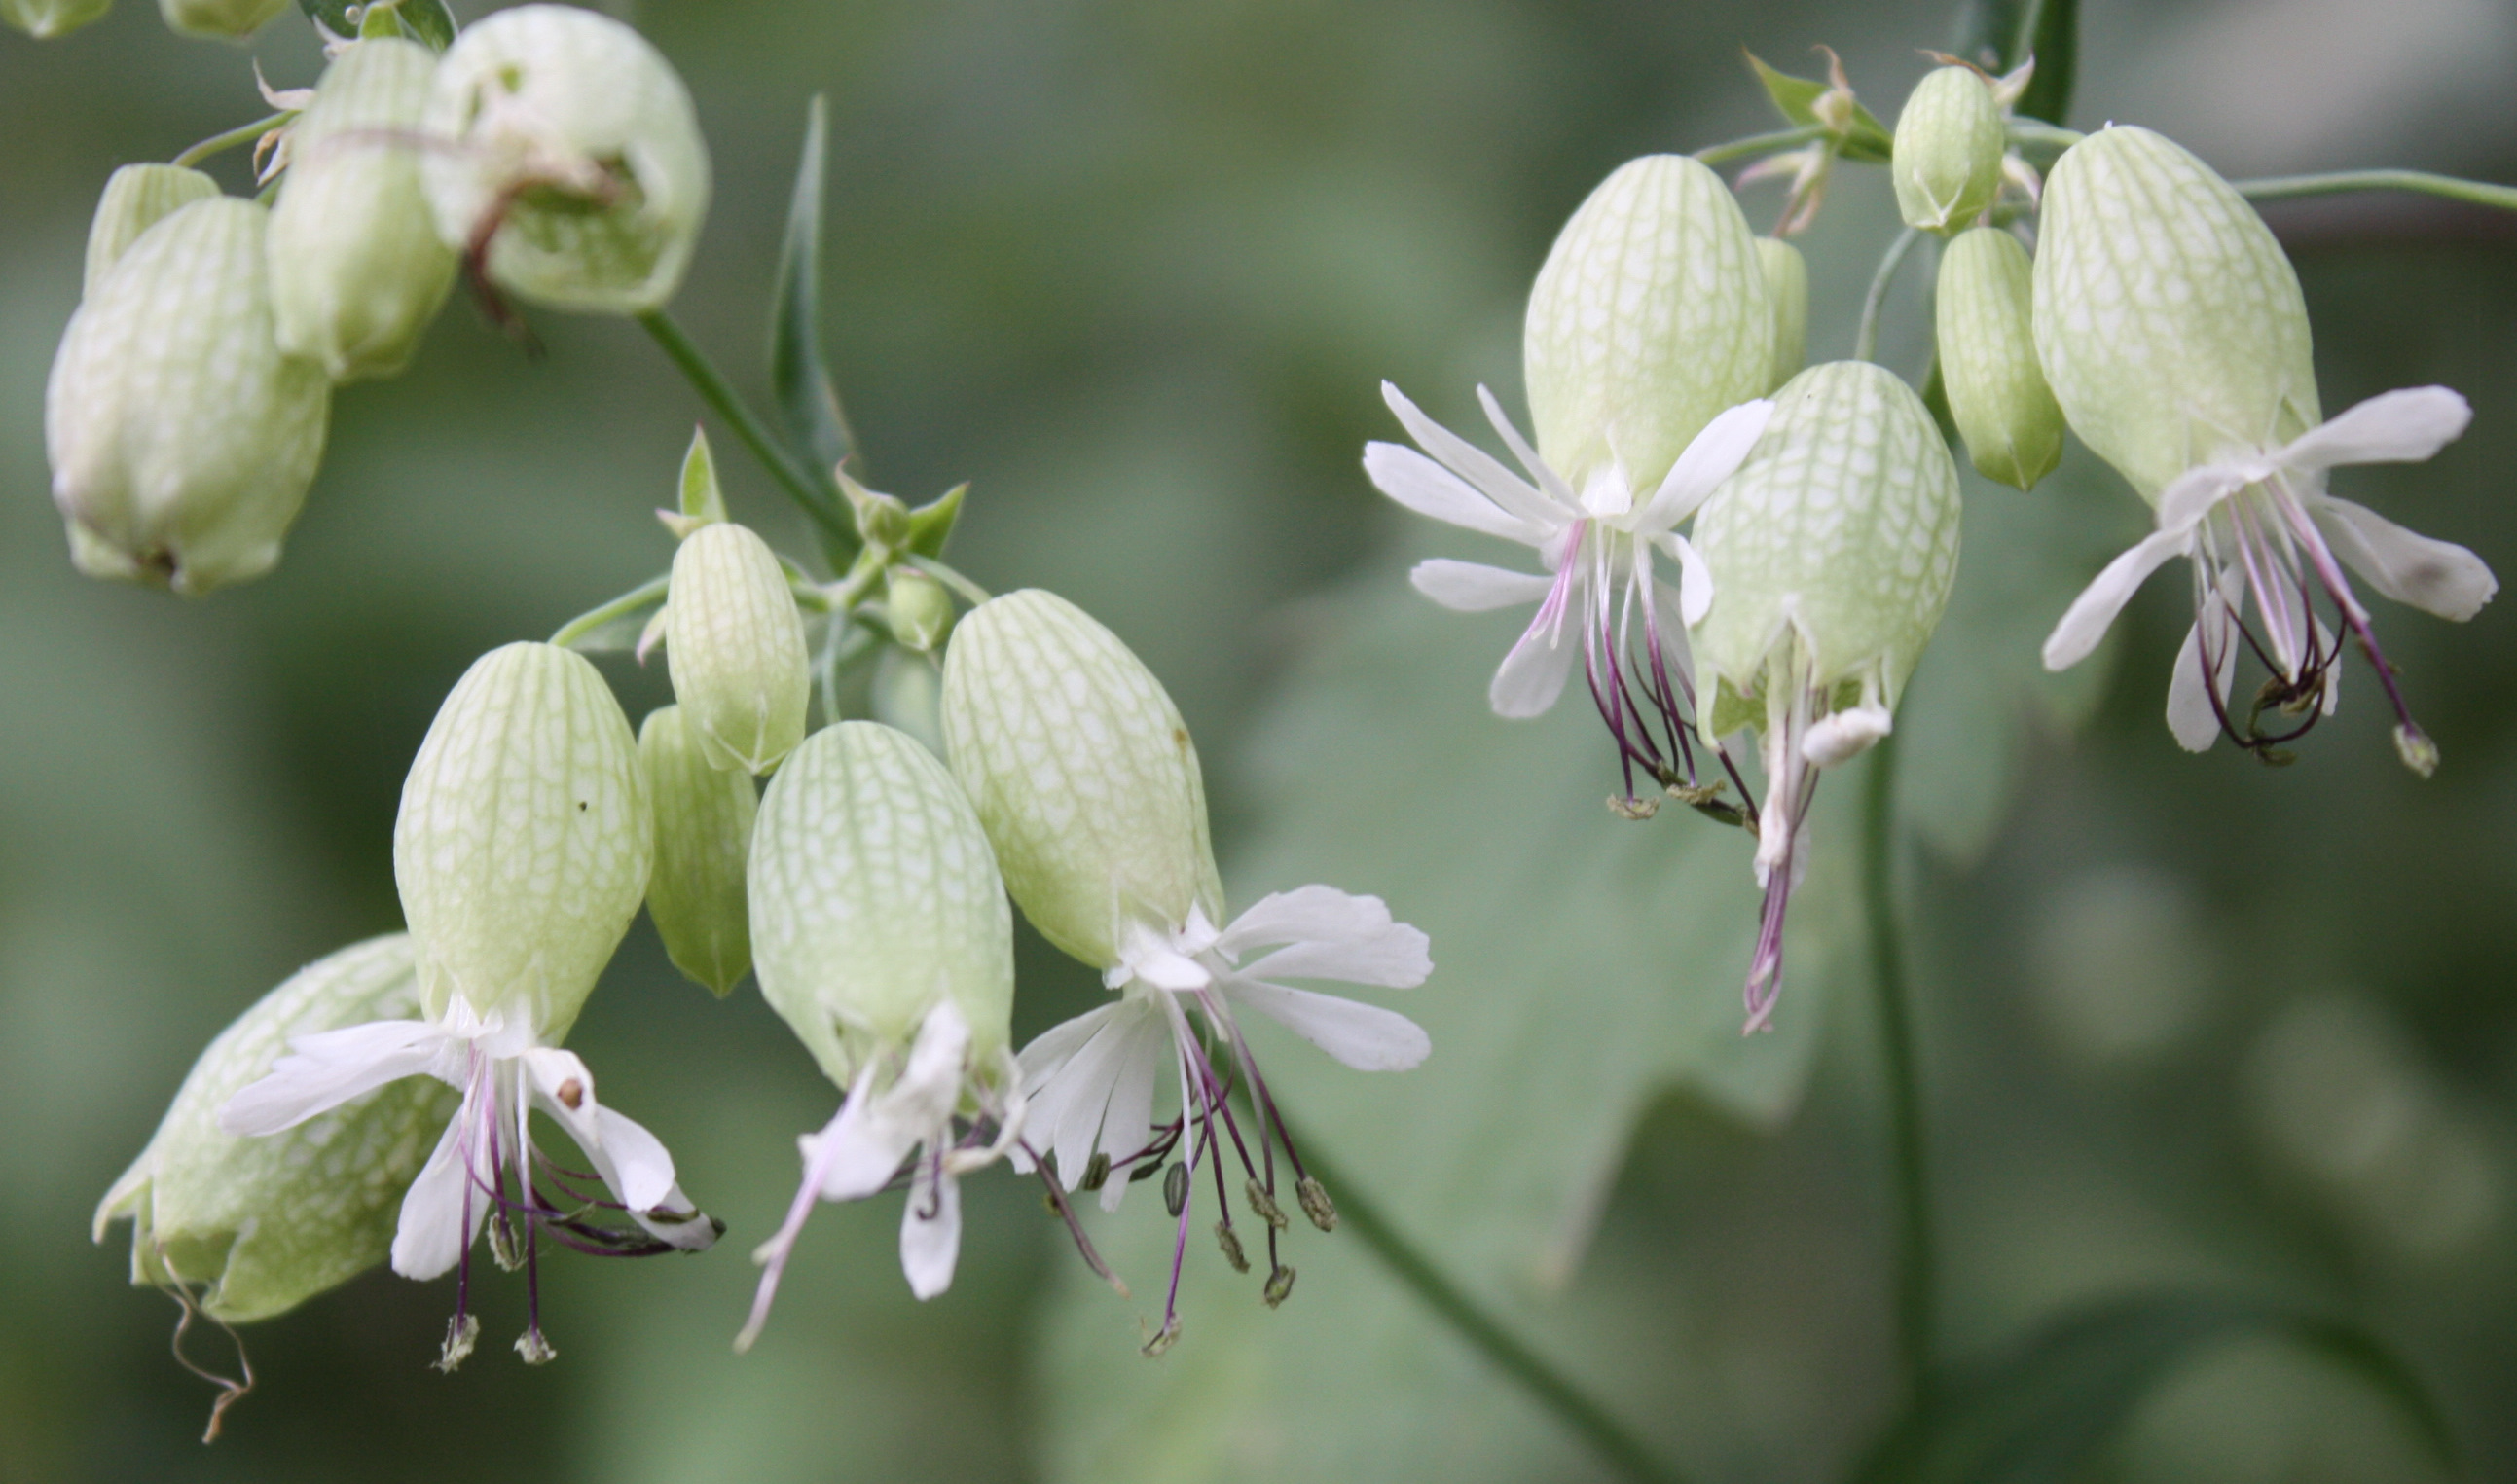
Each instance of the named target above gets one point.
<point>1715,454</point>
<point>1695,579</point>
<point>329,1068</point>
<point>2399,427</point>
<point>1549,481</point>
<point>2189,496</point>
<point>1128,1124</point>
<point>1332,935</point>
<point>930,1230</point>
<point>2096,608</point>
<point>1468,587</point>
<point>1517,495</point>
<point>1366,1037</point>
<point>2190,712</point>
<point>864,1149</point>
<point>1842,736</point>
<point>432,1233</point>
<point>2436,576</point>
<point>1430,490</point>
<point>1075,1101</point>
<point>1533,676</point>
<point>1054,1047</point>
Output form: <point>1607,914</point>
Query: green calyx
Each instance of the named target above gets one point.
<point>260,1224</point>
<point>525,839</point>
<point>1949,143</point>
<point>704,820</point>
<point>2168,321</point>
<point>136,199</point>
<point>44,19</point>
<point>1649,318</point>
<point>1988,348</point>
<point>735,643</point>
<point>1841,527</point>
<point>1786,275</point>
<point>230,19</point>
<point>874,897</point>
<point>1082,774</point>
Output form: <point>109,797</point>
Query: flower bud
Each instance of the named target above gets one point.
<point>136,199</point>
<point>874,897</point>
<point>702,837</point>
<point>1786,275</point>
<point>232,19</point>
<point>525,838</point>
<point>1649,318</point>
<point>44,19</point>
<point>263,1224</point>
<point>1987,346</point>
<point>1082,770</point>
<point>1949,144</point>
<point>919,609</point>
<point>182,439</point>
<point>736,645</point>
<point>571,149</point>
<point>2168,321</point>
<point>1842,525</point>
<point>357,270</point>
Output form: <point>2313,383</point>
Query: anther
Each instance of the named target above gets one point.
<point>1175,1190</point>
<point>460,1332</point>
<point>1263,1206</point>
<point>1316,1203</point>
<point>2415,748</point>
<point>1146,1170</point>
<point>1230,1241</point>
<point>535,1351</point>
<point>572,1094</point>
<point>1280,1283</point>
<point>1096,1172</point>
<point>503,1245</point>
<point>1164,1338</point>
<point>1633,808</point>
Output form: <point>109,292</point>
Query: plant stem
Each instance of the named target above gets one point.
<point>1525,1367</point>
<point>837,528</point>
<point>1759,143</point>
<point>1915,1276</point>
<point>2285,187</point>
<point>1866,342</point>
<point>245,135</point>
<point>2030,131</point>
<point>971,592</point>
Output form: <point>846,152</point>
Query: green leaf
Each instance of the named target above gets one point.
<point>1999,35</point>
<point>807,402</point>
<point>1864,140</point>
<point>614,627</point>
<point>2043,1409</point>
<point>703,502</point>
<point>425,20</point>
<point>930,525</point>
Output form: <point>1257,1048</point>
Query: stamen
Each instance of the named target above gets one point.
<point>1280,1285</point>
<point>231,1390</point>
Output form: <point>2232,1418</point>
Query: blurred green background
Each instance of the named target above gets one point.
<point>1135,269</point>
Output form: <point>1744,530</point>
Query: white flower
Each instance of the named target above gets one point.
<point>1599,592</point>
<point>2259,523</point>
<point>484,1163</point>
<point>1089,1082</point>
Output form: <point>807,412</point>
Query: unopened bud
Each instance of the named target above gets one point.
<point>1949,144</point>
<point>1082,770</point>
<point>703,818</point>
<point>919,609</point>
<point>1263,1204</point>
<point>1230,1242</point>
<point>1648,321</point>
<point>233,20</point>
<point>1786,275</point>
<point>356,270</point>
<point>260,1224</point>
<point>1280,1286</point>
<point>525,838</point>
<point>182,439</point>
<point>1316,1203</point>
<point>2168,321</point>
<point>874,897</point>
<point>44,19</point>
<point>1987,347</point>
<point>136,199</point>
<point>883,520</point>
<point>569,147</point>
<point>736,645</point>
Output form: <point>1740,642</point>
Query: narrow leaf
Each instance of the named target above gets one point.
<point>703,502</point>
<point>1792,96</point>
<point>1999,35</point>
<point>427,20</point>
<point>807,402</point>
<point>931,526</point>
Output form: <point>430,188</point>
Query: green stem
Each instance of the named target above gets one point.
<point>971,592</point>
<point>1524,1367</point>
<point>1915,1275</point>
<point>1865,343</point>
<point>837,528</point>
<point>647,594</point>
<point>232,137</point>
<point>2285,187</point>
<point>2030,131</point>
<point>1759,143</point>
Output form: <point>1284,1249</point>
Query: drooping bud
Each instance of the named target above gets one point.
<point>874,898</point>
<point>1949,144</point>
<point>1987,346</point>
<point>2168,321</point>
<point>136,199</point>
<point>262,1224</point>
<point>1082,772</point>
<point>572,152</point>
<point>232,19</point>
<point>919,609</point>
<point>356,270</point>
<point>907,693</point>
<point>1842,526</point>
<point>1786,275</point>
<point>735,645</point>
<point>1648,319</point>
<point>703,818</point>
<point>182,439</point>
<point>525,838</point>
<point>44,19</point>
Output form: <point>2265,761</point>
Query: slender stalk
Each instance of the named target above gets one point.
<point>1609,1437</point>
<point>244,135</point>
<point>1759,143</point>
<point>1915,1274</point>
<point>2033,132</point>
<point>971,592</point>
<point>722,399</point>
<point>2286,187</point>
<point>1865,343</point>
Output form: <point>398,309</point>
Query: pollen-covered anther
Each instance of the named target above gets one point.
<point>462,1332</point>
<point>536,1348</point>
<point>1280,1286</point>
<point>1263,1206</point>
<point>1230,1242</point>
<point>1316,1203</point>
